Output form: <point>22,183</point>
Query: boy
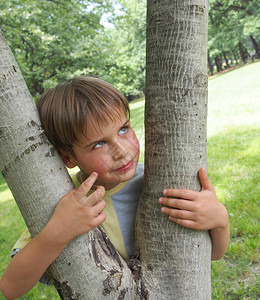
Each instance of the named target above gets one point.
<point>86,119</point>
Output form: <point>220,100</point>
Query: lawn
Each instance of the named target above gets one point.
<point>233,164</point>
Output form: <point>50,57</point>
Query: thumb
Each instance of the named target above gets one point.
<point>204,180</point>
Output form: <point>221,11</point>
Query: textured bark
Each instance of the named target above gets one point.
<point>89,268</point>
<point>177,259</point>
<point>175,262</point>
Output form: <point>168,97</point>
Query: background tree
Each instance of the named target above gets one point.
<point>126,40</point>
<point>233,28</point>
<point>177,79</point>
<point>71,36</point>
<point>52,40</point>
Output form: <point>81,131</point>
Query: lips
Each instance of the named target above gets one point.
<point>126,167</point>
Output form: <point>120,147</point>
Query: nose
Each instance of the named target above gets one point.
<point>118,151</point>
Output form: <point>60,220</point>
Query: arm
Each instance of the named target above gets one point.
<point>199,211</point>
<point>74,215</point>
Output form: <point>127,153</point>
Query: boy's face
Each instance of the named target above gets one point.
<point>111,150</point>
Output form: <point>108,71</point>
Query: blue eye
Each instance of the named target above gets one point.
<point>122,130</point>
<point>98,145</point>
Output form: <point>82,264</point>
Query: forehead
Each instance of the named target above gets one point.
<point>95,127</point>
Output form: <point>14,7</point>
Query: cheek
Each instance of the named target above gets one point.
<point>101,164</point>
<point>135,143</point>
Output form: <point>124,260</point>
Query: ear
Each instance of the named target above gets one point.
<point>69,160</point>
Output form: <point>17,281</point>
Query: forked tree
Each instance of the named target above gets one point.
<point>171,262</point>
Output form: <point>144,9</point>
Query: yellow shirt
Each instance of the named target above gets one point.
<point>110,225</point>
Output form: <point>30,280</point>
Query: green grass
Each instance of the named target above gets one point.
<point>233,164</point>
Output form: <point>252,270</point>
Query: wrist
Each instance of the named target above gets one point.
<point>223,220</point>
<point>52,235</point>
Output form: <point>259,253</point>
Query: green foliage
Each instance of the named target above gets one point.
<point>51,40</point>
<point>55,40</point>
<point>231,22</point>
<point>125,68</point>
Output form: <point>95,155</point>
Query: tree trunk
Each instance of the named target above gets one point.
<point>218,63</point>
<point>89,268</point>
<point>210,66</point>
<point>255,45</point>
<point>235,56</point>
<point>226,59</point>
<point>175,262</point>
<point>175,112</point>
<point>243,52</point>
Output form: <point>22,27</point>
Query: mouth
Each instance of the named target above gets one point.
<point>126,167</point>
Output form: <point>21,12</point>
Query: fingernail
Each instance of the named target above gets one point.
<point>160,200</point>
<point>95,173</point>
<point>165,192</point>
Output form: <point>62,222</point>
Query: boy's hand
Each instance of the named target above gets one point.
<point>196,210</point>
<point>76,213</point>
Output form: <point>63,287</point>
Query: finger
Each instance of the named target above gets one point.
<point>205,183</point>
<point>185,223</point>
<point>99,207</point>
<point>84,188</point>
<point>176,203</point>
<point>99,219</point>
<point>179,214</point>
<point>95,197</point>
<point>180,193</point>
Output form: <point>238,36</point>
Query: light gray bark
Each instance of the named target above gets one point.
<point>176,109</point>
<point>89,268</point>
<point>175,261</point>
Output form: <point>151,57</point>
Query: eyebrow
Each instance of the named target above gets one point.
<point>100,140</point>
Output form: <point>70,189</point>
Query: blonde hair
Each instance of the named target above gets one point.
<point>65,109</point>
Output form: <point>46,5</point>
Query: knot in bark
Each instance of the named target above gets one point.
<point>135,266</point>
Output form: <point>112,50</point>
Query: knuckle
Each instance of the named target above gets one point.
<point>104,217</point>
<point>180,222</point>
<point>166,210</point>
<point>196,226</point>
<point>100,192</point>
<point>197,207</point>
<point>179,214</point>
<point>93,223</point>
<point>87,214</point>
<point>165,201</point>
<point>176,202</point>
<point>189,225</point>
<point>181,193</point>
